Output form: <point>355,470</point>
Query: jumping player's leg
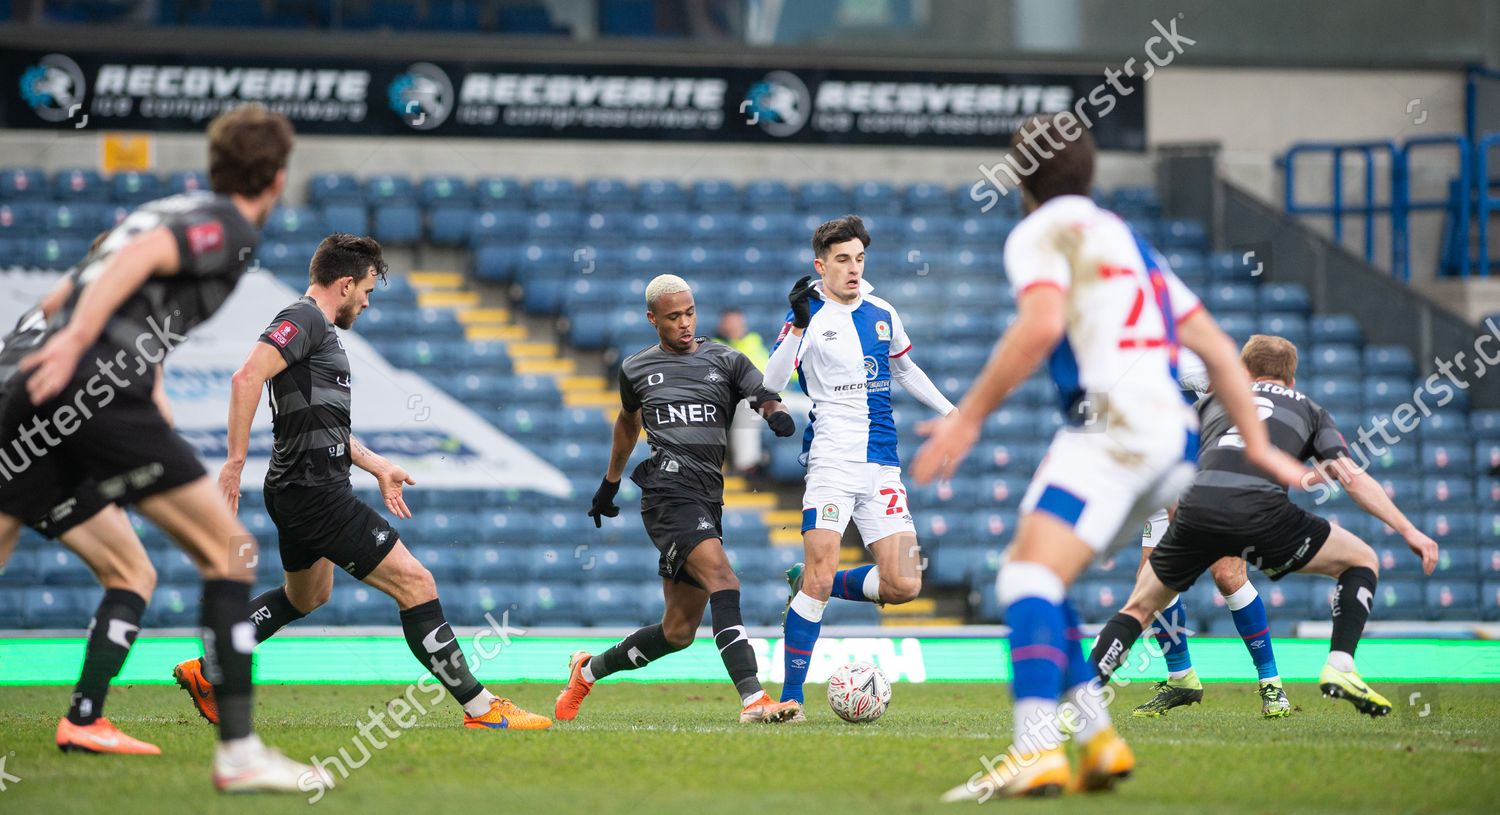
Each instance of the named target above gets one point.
<point>809,596</point>
<point>882,515</point>
<point>677,630</point>
<point>1254,627</point>
<point>1171,635</point>
<point>1356,567</point>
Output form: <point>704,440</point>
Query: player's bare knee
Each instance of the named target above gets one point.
<point>679,633</point>
<point>722,580</point>
<point>417,586</point>
<point>899,589</point>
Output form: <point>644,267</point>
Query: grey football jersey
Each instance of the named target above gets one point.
<point>687,402</point>
<point>310,400</point>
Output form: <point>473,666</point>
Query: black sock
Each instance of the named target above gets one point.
<point>1351,608</point>
<point>228,639</point>
<point>431,641</point>
<point>1113,643</point>
<point>271,611</point>
<point>733,642</point>
<point>635,651</point>
<point>111,633</point>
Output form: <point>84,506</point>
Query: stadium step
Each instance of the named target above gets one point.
<point>920,607</point>
<point>484,316</point>
<point>554,367</point>
<point>429,281</point>
<point>784,517</point>
<point>447,299</point>
<point>748,500</point>
<point>503,333</point>
<point>786,535</point>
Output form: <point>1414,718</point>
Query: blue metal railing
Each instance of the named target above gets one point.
<point>1470,199</point>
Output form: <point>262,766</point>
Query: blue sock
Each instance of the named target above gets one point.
<point>801,635</point>
<point>1080,670</point>
<point>1038,648</point>
<point>1255,630</point>
<point>1173,640</point>
<point>849,584</point>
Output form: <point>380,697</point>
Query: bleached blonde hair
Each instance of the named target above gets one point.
<point>663,285</point>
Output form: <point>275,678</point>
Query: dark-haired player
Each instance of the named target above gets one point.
<point>319,520</point>
<point>1233,510</point>
<point>847,346</point>
<point>80,408</point>
<point>1098,304</point>
<point>684,390</point>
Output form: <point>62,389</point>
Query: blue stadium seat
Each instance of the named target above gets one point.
<point>948,564</point>
<point>1390,360</point>
<point>499,193</point>
<point>628,562</point>
<point>23,184</point>
<point>1384,393</point>
<point>1336,328</point>
<point>1284,298</point>
<point>1456,599</point>
<point>59,607</point>
<point>1183,233</point>
<point>1487,490</point>
<point>79,184</point>
<point>450,223</point>
<point>1333,360</point>
<point>443,559</point>
<point>1292,327</point>
<point>554,194</point>
<point>563,226</point>
<point>613,604</point>
<point>1438,491</point>
<point>356,604</point>
<point>397,224</point>
<point>55,566</point>
<point>387,189</point>
<point>134,188</point>
<point>183,181</point>
<point>1238,325</point>
<point>823,198</point>
<point>496,262</point>
<point>1448,426</point>
<point>1397,459</point>
<point>351,218</point>
<point>1236,297</point>
<point>927,199</point>
<point>1457,527</point>
<point>1098,600</point>
<point>1485,424</point>
<point>1490,600</point>
<point>875,198</point>
<point>608,195</point>
<point>1288,598</point>
<point>173,606</point>
<point>330,188</point>
<point>984,232</point>
<point>439,190</point>
<point>662,195</point>
<point>1444,457</point>
<point>659,227</point>
<point>567,558</point>
<point>58,253</point>
<point>79,219</point>
<point>554,604</point>
<point>769,196</point>
<point>490,563</point>
<point>716,196</point>
<point>295,223</point>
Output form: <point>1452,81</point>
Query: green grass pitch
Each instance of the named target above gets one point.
<point>676,747</point>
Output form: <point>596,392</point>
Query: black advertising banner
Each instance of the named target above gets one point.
<point>55,90</point>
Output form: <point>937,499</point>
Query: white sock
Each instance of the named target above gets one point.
<point>871,587</point>
<point>1092,715</point>
<point>1036,725</point>
<point>587,672</point>
<point>1179,674</point>
<point>1272,680</point>
<point>1243,596</point>
<point>239,751</point>
<point>752,698</point>
<point>1341,660</point>
<point>808,608</point>
<point>479,705</point>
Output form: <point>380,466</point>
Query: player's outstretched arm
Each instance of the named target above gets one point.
<point>389,475</point>
<point>783,359</point>
<point>626,433</point>
<point>916,382</point>
<point>1231,385</point>
<point>154,252</point>
<point>1371,498</point>
<point>245,386</point>
<point>1039,326</point>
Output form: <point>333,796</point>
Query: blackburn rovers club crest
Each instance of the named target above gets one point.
<point>830,512</point>
<point>882,331</point>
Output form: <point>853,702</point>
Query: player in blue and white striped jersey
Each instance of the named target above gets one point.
<point>847,347</point>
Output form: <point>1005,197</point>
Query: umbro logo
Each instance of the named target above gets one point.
<point>830,335</point>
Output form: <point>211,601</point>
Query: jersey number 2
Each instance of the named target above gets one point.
<point>897,504</point>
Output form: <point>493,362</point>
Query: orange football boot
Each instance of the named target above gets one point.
<point>189,676</point>
<point>100,737</point>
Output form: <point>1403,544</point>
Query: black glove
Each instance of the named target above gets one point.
<point>781,423</point>
<point>604,502</point>
<point>801,292</point>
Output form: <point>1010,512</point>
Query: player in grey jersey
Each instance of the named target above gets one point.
<point>684,391</point>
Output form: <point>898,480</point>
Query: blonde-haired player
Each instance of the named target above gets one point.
<point>684,390</point>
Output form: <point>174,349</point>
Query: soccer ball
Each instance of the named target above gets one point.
<point>859,692</point>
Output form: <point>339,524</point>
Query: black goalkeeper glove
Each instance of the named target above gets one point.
<point>781,423</point>
<point>604,502</point>
<point>801,293</point>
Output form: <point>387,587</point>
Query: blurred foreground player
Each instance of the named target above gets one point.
<point>101,535</point>
<point>684,390</point>
<point>321,523</point>
<point>1095,301</point>
<point>1234,510</point>
<point>167,268</point>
